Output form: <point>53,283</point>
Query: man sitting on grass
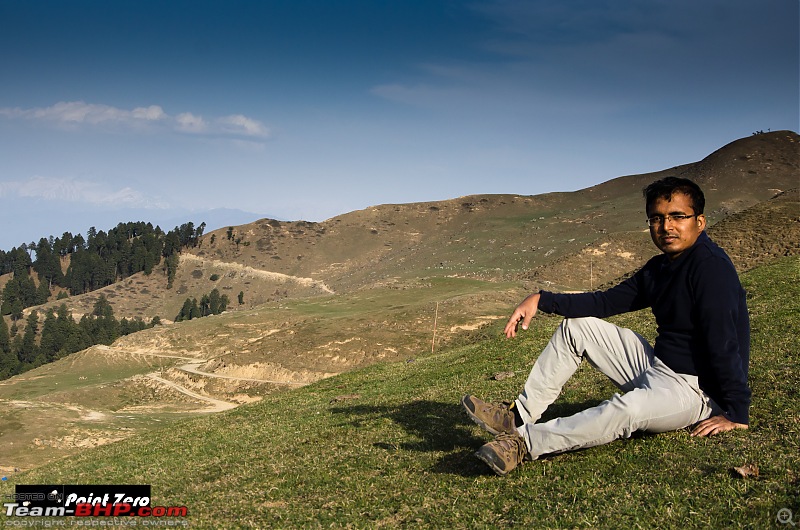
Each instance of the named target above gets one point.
<point>696,375</point>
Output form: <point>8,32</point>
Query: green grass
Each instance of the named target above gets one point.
<point>82,371</point>
<point>388,446</point>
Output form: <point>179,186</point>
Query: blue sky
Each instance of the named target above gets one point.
<point>159,109</point>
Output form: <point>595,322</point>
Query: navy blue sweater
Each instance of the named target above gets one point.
<point>701,314</point>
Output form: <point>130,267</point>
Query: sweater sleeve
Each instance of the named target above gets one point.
<point>627,296</point>
<point>721,314</point>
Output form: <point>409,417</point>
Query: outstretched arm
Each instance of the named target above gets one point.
<point>523,313</point>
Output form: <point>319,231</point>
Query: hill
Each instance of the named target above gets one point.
<point>752,237</point>
<point>385,284</point>
<point>387,447</point>
<point>484,237</point>
<point>497,236</point>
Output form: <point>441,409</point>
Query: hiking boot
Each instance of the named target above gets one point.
<point>504,453</point>
<point>492,418</point>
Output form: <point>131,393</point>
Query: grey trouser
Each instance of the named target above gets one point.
<point>656,399</point>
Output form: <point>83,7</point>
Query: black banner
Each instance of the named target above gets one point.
<point>65,499</point>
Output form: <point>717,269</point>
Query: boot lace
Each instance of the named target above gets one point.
<point>511,444</point>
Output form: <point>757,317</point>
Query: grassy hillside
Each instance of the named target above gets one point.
<point>367,287</point>
<point>388,446</point>
<point>108,393</point>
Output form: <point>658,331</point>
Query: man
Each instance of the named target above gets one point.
<point>696,375</point>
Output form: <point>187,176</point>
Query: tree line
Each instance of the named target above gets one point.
<point>100,259</point>
<point>60,335</point>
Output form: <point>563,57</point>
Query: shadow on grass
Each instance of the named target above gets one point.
<point>438,427</point>
<point>441,427</point>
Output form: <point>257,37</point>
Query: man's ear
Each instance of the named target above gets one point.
<point>701,222</point>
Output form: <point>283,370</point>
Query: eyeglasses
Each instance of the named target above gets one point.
<point>657,220</point>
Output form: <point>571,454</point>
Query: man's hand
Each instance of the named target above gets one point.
<point>716,425</point>
<point>523,313</point>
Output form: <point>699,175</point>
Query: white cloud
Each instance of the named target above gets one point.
<point>78,191</point>
<point>49,188</point>
<point>238,124</point>
<point>151,113</point>
<point>188,122</point>
<point>78,112</point>
<point>71,114</point>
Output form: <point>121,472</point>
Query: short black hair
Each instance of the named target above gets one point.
<point>668,186</point>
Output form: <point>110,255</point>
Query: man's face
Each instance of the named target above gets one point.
<point>673,236</point>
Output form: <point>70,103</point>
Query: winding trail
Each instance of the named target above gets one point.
<point>218,404</point>
<point>246,270</point>
<point>192,367</point>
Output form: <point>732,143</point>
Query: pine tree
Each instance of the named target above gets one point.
<point>172,244</point>
<point>171,264</point>
<point>8,361</point>
<point>195,311</point>
<point>104,327</point>
<point>214,301</point>
<point>67,328</point>
<point>16,346</point>
<point>102,308</point>
<point>77,339</point>
<point>27,289</point>
<point>5,339</point>
<point>42,292</point>
<point>51,341</point>
<point>10,296</point>
<point>223,303</point>
<point>205,306</point>
<point>48,262</point>
<point>186,311</point>
<point>29,351</point>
